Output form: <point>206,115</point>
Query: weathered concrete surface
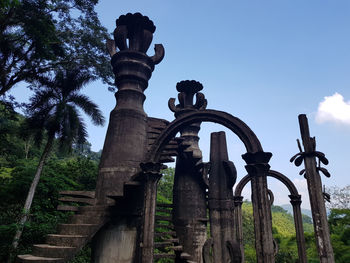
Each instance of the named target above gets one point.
<point>125,145</point>
<point>189,192</point>
<point>222,177</point>
<point>115,243</point>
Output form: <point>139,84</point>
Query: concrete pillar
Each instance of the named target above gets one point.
<point>295,200</point>
<point>238,200</point>
<point>189,193</point>
<point>314,184</point>
<point>258,168</point>
<point>222,177</point>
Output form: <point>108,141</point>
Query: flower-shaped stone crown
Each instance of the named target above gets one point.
<point>187,89</point>
<point>136,20</point>
<point>134,32</point>
<point>135,28</point>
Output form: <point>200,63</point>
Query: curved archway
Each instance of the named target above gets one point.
<point>245,134</point>
<point>295,200</point>
<point>254,157</point>
<point>284,179</point>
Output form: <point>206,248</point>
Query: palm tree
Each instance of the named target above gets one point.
<point>54,111</point>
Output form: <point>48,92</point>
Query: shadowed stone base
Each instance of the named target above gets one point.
<point>115,243</point>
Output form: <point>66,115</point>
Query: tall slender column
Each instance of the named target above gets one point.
<point>258,167</point>
<point>295,200</point>
<point>189,194</point>
<point>222,177</point>
<point>238,200</point>
<point>314,185</point>
<point>125,144</point>
<point>150,177</point>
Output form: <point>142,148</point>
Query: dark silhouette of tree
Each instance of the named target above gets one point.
<point>37,36</point>
<point>53,112</point>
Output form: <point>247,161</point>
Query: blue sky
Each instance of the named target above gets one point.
<point>264,62</point>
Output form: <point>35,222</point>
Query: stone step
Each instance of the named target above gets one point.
<point>164,210</point>
<point>93,208</point>
<point>67,208</point>
<point>65,240</point>
<point>164,218</point>
<point>162,234</point>
<point>35,259</point>
<point>168,226</point>
<point>77,200</point>
<point>77,229</point>
<point>165,205</point>
<point>172,240</point>
<point>163,244</point>
<point>45,250</point>
<point>84,219</point>
<point>164,255</point>
<point>169,153</point>
<point>88,194</point>
<point>166,159</point>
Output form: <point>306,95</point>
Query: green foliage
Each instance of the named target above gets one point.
<point>283,233</point>
<point>339,223</point>
<point>37,37</point>
<point>248,232</point>
<point>58,175</point>
<point>165,186</point>
<point>55,106</point>
<point>76,171</point>
<point>284,223</point>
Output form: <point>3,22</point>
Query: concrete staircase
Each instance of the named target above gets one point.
<point>71,237</point>
<point>167,247</point>
<point>89,217</point>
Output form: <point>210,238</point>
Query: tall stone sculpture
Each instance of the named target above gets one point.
<point>126,140</point>
<point>189,194</point>
<point>314,184</point>
<point>222,178</point>
<point>122,215</point>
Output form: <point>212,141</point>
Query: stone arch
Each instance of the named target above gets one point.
<point>255,157</point>
<point>284,179</point>
<point>295,200</point>
<point>245,134</point>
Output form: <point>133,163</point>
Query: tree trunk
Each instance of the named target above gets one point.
<point>30,195</point>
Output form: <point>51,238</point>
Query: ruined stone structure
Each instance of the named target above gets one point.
<point>122,217</point>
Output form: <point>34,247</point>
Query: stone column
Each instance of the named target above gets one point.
<point>125,144</point>
<point>314,185</point>
<point>189,193</point>
<point>295,200</point>
<point>238,200</point>
<point>150,177</point>
<point>258,168</point>
<point>222,177</point>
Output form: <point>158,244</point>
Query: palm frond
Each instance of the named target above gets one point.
<point>55,107</point>
<point>89,107</point>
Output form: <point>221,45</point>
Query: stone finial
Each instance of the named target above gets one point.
<point>187,89</point>
<point>134,32</point>
<point>132,38</point>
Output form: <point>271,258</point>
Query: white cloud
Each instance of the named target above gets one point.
<point>334,109</point>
